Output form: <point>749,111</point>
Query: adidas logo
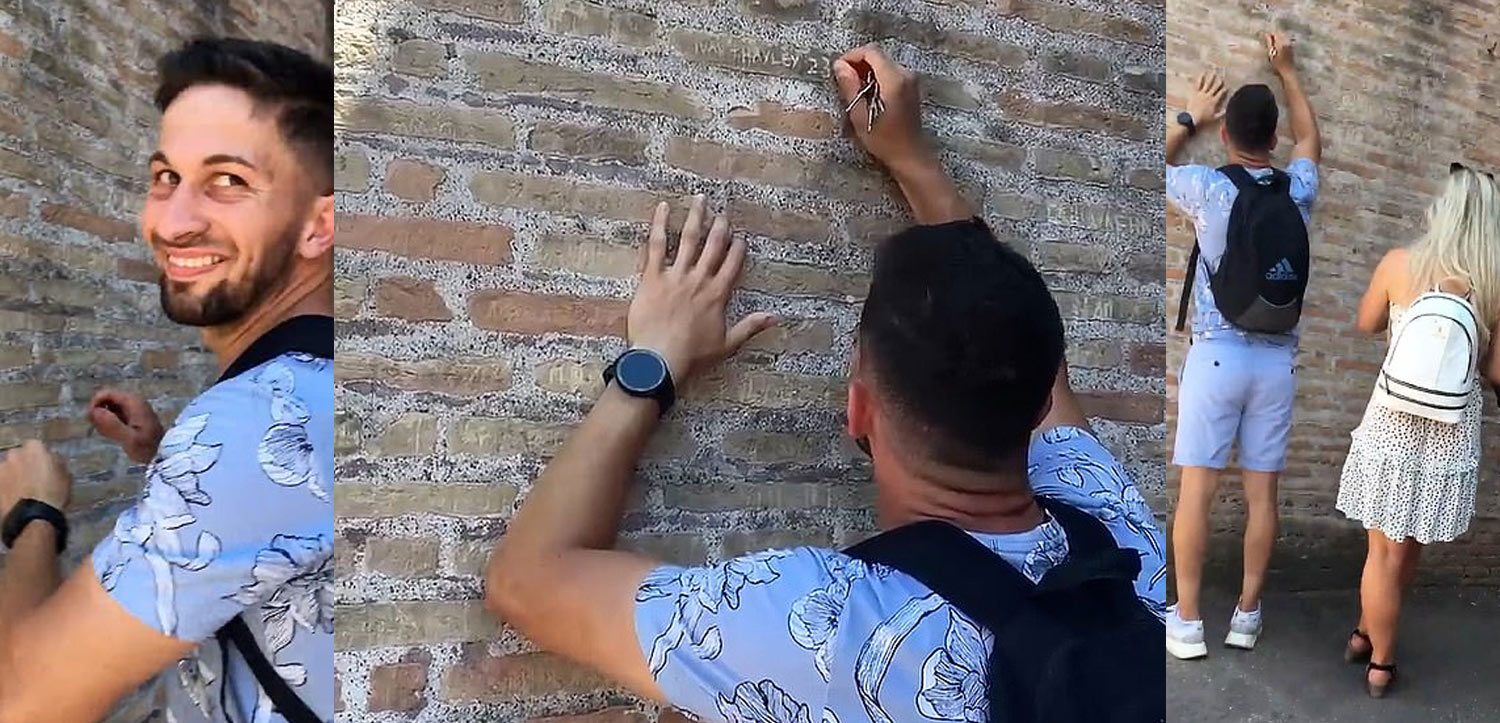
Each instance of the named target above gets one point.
<point>1282,272</point>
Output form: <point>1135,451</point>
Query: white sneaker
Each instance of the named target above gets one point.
<point>1244,629</point>
<point>1185,637</point>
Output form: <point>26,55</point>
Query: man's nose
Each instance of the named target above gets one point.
<point>182,216</point>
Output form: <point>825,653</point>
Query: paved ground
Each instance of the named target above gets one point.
<point>1449,658</point>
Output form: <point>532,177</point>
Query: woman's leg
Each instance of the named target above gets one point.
<point>1380,593</point>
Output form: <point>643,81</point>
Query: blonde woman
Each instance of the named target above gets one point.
<point>1411,480</point>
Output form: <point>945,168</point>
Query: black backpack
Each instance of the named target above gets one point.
<point>1078,647</point>
<point>1262,277</point>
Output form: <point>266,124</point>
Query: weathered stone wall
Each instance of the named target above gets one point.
<point>498,160</point>
<point>1401,89</point>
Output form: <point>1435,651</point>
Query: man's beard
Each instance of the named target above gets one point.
<point>229,301</point>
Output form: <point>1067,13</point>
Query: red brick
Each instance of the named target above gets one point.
<point>784,120</point>
<point>108,229</point>
<point>1123,406</point>
<point>424,238</point>
<point>400,686</point>
<point>413,180</point>
<point>156,359</point>
<point>482,677</point>
<point>10,45</point>
<point>523,313</point>
<point>412,299</point>
<point>456,376</point>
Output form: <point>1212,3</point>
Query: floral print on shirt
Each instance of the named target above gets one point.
<point>235,519</point>
<point>787,636</point>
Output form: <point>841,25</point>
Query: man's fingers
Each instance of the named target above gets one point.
<point>108,424</point>
<point>846,81</point>
<point>715,247</point>
<point>656,240</point>
<point>692,236</point>
<point>746,330</point>
<point>729,271</point>
<point>871,54</point>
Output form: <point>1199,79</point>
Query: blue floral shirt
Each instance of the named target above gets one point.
<point>811,635</point>
<point>236,518</point>
<point>1208,197</point>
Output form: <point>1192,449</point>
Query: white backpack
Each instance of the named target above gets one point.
<point>1430,368</point>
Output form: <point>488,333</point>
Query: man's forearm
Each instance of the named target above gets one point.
<point>29,577</point>
<point>579,499</point>
<point>1177,138</point>
<point>932,195</point>
<point>1304,122</point>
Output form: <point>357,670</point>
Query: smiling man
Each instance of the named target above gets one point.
<point>222,570</point>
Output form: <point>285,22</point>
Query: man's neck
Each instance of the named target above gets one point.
<point>307,293</point>
<point>981,502</point>
<point>1249,160</point>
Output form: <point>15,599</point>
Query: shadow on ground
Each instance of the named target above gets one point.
<point>1449,653</point>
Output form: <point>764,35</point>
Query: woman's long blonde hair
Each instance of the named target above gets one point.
<point>1463,242</point>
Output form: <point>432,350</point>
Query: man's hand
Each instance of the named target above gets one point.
<point>1208,96</point>
<point>128,421</point>
<point>1279,52</point>
<point>31,471</point>
<point>679,309</point>
<point>897,139</point>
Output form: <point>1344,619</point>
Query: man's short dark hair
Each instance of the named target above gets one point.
<point>961,336</point>
<point>290,82</point>
<point>1251,118</point>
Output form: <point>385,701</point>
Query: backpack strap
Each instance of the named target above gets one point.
<point>1243,180</point>
<point>283,698</point>
<point>1093,553</point>
<point>953,564</point>
<point>1187,286</point>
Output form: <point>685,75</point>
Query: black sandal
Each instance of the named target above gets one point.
<point>1379,690</point>
<point>1355,656</point>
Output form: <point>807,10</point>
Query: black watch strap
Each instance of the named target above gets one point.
<point>27,511</point>
<point>665,393</point>
<point>1185,119</point>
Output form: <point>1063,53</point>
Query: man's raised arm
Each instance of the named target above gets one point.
<point>1309,143</point>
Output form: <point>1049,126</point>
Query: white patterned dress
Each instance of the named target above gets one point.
<point>812,635</point>
<point>1409,476</point>
<point>236,518</point>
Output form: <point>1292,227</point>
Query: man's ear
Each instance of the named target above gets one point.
<point>1224,134</point>
<point>317,234</point>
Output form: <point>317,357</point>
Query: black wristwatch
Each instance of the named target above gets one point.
<point>27,511</point>
<point>643,373</point>
<point>1185,119</point>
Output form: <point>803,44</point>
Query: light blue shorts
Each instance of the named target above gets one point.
<point>1230,390</point>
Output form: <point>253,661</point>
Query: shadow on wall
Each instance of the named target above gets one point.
<point>1401,89</point>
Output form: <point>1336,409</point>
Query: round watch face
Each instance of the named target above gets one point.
<point>640,371</point>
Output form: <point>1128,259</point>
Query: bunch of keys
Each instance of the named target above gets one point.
<point>876,105</point>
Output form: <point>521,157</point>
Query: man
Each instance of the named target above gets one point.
<point>234,529</point>
<point>1237,385</point>
<point>959,366</point>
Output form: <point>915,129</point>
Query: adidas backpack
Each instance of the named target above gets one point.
<point>1262,276</point>
<point>1433,359</point>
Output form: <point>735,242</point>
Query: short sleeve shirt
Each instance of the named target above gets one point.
<point>236,518</point>
<point>1208,197</point>
<point>810,635</point>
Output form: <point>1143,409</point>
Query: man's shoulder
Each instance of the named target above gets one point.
<point>293,375</point>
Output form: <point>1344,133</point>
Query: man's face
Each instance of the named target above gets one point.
<point>226,206</point>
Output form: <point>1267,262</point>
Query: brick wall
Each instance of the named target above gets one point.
<point>1400,89</point>
<point>78,297</point>
<point>497,163</point>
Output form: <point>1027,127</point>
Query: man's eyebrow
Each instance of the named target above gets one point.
<point>159,157</point>
<point>227,158</point>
